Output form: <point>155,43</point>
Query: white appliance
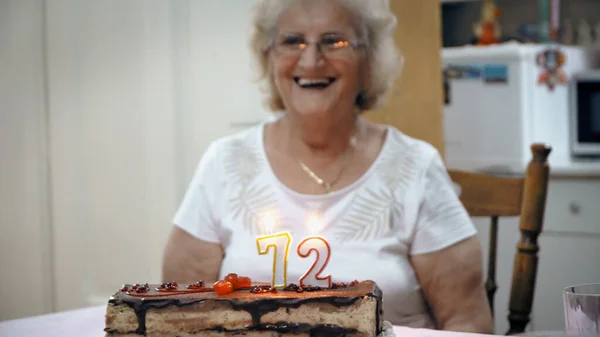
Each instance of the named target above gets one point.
<point>584,107</point>
<point>496,106</point>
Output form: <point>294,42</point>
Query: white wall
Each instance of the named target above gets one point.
<point>25,264</point>
<point>107,106</point>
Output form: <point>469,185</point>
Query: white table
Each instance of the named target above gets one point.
<point>89,322</point>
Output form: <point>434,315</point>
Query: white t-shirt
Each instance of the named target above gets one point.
<point>404,204</point>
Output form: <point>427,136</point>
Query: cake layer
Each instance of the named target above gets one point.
<point>344,311</point>
<point>264,333</point>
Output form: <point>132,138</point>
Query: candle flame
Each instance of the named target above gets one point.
<point>268,222</point>
<point>314,224</point>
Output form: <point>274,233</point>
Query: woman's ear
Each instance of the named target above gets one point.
<point>266,53</point>
<point>362,99</point>
<point>275,101</point>
<point>268,59</point>
<point>367,78</point>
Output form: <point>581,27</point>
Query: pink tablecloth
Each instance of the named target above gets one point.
<point>89,322</point>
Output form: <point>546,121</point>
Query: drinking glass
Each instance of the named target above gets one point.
<point>582,309</point>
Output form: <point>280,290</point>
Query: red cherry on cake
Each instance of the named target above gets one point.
<point>233,279</point>
<point>244,282</point>
<point>223,287</point>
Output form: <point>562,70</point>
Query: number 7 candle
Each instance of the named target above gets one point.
<point>322,250</point>
<point>280,243</point>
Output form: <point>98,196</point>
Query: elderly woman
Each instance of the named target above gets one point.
<point>382,199</point>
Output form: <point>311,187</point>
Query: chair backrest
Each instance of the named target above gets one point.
<point>493,196</point>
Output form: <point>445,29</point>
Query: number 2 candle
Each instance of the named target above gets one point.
<point>318,245</point>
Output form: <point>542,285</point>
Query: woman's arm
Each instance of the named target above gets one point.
<point>452,281</point>
<point>188,260</point>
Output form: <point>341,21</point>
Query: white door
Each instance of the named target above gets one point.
<point>137,90</point>
<point>25,260</point>
<point>112,144</point>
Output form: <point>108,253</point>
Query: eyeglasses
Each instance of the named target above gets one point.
<point>329,45</point>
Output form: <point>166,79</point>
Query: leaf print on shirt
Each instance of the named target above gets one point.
<point>370,216</point>
<point>398,168</point>
<point>250,204</point>
<point>376,213</point>
<point>243,163</point>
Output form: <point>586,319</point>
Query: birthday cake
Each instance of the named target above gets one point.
<point>238,307</point>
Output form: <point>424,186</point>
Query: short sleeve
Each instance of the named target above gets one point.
<point>196,213</point>
<point>442,219</point>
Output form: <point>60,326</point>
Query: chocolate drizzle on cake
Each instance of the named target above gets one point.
<point>136,288</point>
<point>167,286</point>
<point>197,285</point>
<point>321,330</point>
<point>257,309</point>
<point>300,289</point>
<point>262,290</point>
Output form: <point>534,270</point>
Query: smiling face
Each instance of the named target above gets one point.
<point>320,81</point>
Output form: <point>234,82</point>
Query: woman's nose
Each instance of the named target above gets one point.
<point>311,57</point>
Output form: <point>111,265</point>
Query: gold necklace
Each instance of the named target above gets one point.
<point>320,181</point>
<point>327,186</point>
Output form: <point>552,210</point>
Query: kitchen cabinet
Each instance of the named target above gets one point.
<point>569,250</point>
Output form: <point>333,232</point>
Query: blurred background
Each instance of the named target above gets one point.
<point>107,106</point>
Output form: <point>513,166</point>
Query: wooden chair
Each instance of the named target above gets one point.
<point>493,196</point>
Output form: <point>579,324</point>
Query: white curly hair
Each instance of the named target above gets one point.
<point>378,25</point>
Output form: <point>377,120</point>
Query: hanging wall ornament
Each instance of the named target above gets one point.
<point>551,62</point>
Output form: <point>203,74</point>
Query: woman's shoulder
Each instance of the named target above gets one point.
<point>246,138</point>
<point>238,144</point>
<point>249,140</point>
<point>405,161</point>
<point>414,148</point>
<point>233,148</point>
